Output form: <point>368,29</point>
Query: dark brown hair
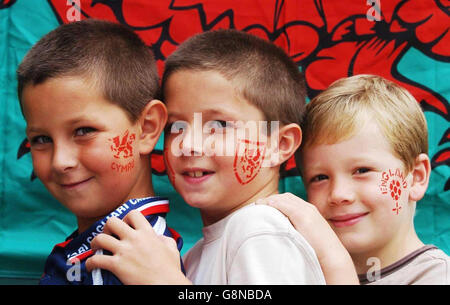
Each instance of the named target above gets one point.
<point>108,54</point>
<point>261,72</point>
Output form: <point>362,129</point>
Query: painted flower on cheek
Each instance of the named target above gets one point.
<point>392,183</point>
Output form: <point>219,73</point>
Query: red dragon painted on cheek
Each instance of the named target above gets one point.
<point>328,39</point>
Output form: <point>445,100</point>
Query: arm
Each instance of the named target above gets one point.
<point>139,256</point>
<point>334,259</point>
<point>274,258</point>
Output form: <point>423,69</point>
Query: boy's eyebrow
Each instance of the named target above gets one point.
<point>29,129</point>
<point>209,112</point>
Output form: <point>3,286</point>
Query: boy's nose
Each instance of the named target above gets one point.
<point>341,193</point>
<point>64,158</point>
<point>192,143</point>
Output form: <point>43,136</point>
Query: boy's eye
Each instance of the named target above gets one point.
<point>40,140</point>
<point>83,131</point>
<point>216,125</point>
<point>362,170</point>
<point>175,127</point>
<point>318,178</point>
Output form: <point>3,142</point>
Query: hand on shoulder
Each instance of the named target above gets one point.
<point>334,259</point>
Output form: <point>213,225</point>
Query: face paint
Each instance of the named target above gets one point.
<point>122,168</point>
<point>392,182</point>
<point>122,148</point>
<point>170,171</point>
<point>248,159</point>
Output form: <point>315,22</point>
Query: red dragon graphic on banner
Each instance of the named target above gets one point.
<point>336,37</point>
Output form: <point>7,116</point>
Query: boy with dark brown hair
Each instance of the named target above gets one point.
<point>87,93</point>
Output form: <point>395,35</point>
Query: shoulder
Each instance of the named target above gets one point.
<point>194,252</point>
<point>436,267</point>
<point>429,266</point>
<point>255,223</point>
<point>259,218</point>
<point>433,257</point>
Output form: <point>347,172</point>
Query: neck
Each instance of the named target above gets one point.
<point>142,188</point>
<point>269,188</point>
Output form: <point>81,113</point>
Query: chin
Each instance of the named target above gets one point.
<point>196,201</point>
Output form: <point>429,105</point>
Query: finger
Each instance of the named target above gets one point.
<point>285,204</point>
<point>100,261</point>
<point>136,220</point>
<point>115,226</point>
<point>105,241</point>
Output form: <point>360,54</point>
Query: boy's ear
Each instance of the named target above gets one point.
<point>151,122</point>
<point>420,178</point>
<point>289,139</point>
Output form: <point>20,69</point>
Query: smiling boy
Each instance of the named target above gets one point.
<point>364,163</point>
<point>87,94</point>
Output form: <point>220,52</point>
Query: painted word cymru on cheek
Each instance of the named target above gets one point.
<point>122,168</point>
<point>392,182</point>
<point>122,148</point>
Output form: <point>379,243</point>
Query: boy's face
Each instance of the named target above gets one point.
<point>202,158</point>
<point>362,190</point>
<point>83,147</point>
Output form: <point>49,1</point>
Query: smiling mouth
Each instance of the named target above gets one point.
<point>197,173</point>
<point>75,184</point>
<point>347,220</point>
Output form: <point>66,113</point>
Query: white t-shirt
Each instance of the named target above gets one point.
<point>254,245</point>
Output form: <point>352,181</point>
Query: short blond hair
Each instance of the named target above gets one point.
<point>340,111</point>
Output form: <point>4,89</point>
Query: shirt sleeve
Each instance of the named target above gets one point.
<point>279,257</point>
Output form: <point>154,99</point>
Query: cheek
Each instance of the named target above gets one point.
<point>168,163</point>
<point>97,158</point>
<point>318,197</point>
<point>41,164</point>
<point>122,146</point>
<point>118,154</point>
<point>248,160</point>
<point>394,188</point>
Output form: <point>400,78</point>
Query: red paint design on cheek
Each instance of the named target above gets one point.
<point>170,171</point>
<point>122,168</point>
<point>249,156</point>
<point>123,146</point>
<point>392,182</point>
<point>122,149</point>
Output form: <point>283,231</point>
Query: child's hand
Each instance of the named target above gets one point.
<point>334,259</point>
<point>139,256</point>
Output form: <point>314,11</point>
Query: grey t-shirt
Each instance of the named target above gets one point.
<point>425,266</point>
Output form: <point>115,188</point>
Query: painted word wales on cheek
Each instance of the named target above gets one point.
<point>392,183</point>
<point>122,149</point>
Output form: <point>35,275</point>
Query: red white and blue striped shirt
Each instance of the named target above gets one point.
<point>66,264</point>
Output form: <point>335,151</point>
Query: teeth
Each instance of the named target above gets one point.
<point>195,174</point>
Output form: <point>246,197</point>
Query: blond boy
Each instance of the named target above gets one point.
<point>364,162</point>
